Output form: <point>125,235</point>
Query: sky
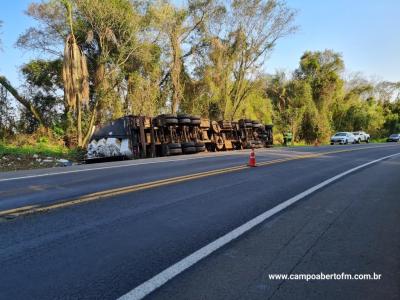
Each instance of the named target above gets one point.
<point>365,32</point>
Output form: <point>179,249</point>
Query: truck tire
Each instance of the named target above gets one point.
<point>184,121</point>
<point>168,116</point>
<point>175,151</point>
<point>174,145</point>
<point>170,121</point>
<point>195,121</point>
<point>199,144</point>
<point>184,116</point>
<point>188,145</point>
<point>165,150</point>
<point>200,147</point>
<point>189,150</point>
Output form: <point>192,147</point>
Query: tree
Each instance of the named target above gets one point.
<point>180,28</point>
<point>322,71</point>
<point>239,44</point>
<point>23,100</point>
<point>75,78</point>
<point>106,33</point>
<point>293,105</point>
<point>387,91</point>
<point>43,85</point>
<point>7,117</point>
<point>391,112</point>
<point>49,34</point>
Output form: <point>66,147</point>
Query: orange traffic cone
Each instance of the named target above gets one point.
<point>252,158</point>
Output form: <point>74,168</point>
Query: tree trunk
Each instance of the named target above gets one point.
<point>69,131</point>
<point>79,121</point>
<point>176,69</point>
<point>28,105</point>
<point>90,127</point>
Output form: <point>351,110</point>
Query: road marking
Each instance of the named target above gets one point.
<point>25,210</point>
<point>135,163</point>
<point>161,161</point>
<point>160,279</point>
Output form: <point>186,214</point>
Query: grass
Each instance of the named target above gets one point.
<point>35,155</point>
<point>42,149</point>
<point>378,140</point>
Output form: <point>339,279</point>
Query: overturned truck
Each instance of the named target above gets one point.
<point>169,134</point>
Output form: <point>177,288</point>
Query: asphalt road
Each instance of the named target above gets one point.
<point>104,248</point>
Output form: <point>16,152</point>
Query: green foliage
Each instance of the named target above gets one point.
<point>203,57</point>
<point>317,101</point>
<point>41,148</point>
<point>45,74</point>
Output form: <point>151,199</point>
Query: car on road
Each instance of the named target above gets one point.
<point>343,138</point>
<point>361,136</point>
<point>393,138</point>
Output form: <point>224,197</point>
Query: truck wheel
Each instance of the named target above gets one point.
<point>189,150</point>
<point>184,116</point>
<point>185,121</point>
<point>174,146</point>
<point>170,121</point>
<point>188,145</point>
<point>195,122</point>
<point>168,116</point>
<point>201,149</point>
<point>367,141</point>
<point>165,150</point>
<point>175,151</point>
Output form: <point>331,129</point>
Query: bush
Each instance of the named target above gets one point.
<point>278,138</point>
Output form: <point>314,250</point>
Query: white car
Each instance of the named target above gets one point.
<point>343,138</point>
<point>361,136</point>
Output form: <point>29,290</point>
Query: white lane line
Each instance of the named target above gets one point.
<point>110,167</point>
<point>239,152</point>
<point>160,279</point>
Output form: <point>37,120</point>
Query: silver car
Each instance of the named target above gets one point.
<point>343,138</point>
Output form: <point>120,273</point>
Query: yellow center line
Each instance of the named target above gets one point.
<point>158,183</point>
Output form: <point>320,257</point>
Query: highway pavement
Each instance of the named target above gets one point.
<point>100,231</point>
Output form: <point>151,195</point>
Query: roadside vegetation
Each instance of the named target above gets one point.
<point>38,150</point>
<point>100,60</point>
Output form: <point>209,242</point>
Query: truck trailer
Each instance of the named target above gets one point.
<point>132,137</point>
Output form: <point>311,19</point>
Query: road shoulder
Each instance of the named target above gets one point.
<point>352,226</point>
